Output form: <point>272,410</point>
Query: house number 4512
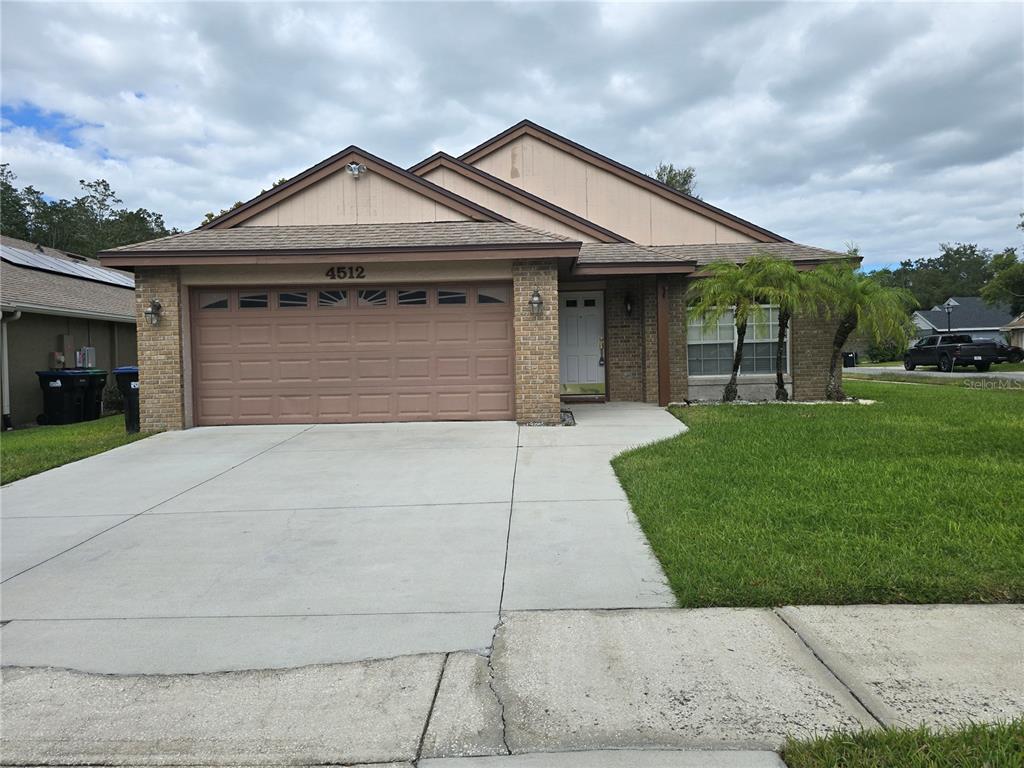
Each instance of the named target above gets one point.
<point>346,273</point>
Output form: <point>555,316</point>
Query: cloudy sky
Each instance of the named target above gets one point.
<point>895,126</point>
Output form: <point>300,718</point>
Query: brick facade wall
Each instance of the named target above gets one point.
<point>161,393</point>
<point>677,338</point>
<point>650,345</point>
<point>537,359</point>
<point>810,345</point>
<point>624,340</point>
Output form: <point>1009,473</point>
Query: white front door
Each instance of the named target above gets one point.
<point>581,342</point>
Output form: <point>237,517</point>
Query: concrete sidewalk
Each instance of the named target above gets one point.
<point>639,688</point>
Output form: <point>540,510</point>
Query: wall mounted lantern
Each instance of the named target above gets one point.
<point>152,312</point>
<point>536,304</point>
<point>629,304</point>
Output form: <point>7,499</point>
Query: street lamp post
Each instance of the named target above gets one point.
<point>949,315</point>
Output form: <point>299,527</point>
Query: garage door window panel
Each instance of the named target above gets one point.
<point>293,299</point>
<point>253,299</point>
<point>412,297</point>
<point>451,296</point>
<point>498,294</point>
<point>332,299</point>
<point>373,297</point>
<point>213,300</point>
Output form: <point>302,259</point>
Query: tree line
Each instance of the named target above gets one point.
<point>92,222</point>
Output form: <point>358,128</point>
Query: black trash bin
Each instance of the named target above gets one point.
<point>128,382</point>
<point>849,359</point>
<point>92,408</point>
<point>64,395</point>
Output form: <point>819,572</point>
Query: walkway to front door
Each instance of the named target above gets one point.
<point>581,342</point>
<point>278,546</point>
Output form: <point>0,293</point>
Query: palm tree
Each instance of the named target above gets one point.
<point>858,300</point>
<point>782,285</point>
<point>735,288</point>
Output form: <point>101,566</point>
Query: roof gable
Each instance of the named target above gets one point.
<point>969,313</point>
<point>388,194</point>
<point>475,178</point>
<point>652,212</point>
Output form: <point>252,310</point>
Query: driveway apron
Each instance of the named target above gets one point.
<point>255,547</point>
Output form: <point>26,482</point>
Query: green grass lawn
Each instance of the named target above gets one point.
<point>25,452</point>
<point>916,499</point>
<point>973,746</point>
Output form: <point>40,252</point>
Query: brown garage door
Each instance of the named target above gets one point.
<point>339,354</point>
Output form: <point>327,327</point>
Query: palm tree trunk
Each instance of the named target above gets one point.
<point>731,390</point>
<point>780,356</point>
<point>834,389</point>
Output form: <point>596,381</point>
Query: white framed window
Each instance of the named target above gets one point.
<point>709,351</point>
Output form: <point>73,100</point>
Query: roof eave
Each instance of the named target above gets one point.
<point>413,253</point>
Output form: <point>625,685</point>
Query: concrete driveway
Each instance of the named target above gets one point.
<point>259,547</point>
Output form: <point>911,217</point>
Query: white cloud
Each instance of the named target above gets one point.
<point>894,125</point>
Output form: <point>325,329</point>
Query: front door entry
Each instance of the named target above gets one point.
<point>581,342</point>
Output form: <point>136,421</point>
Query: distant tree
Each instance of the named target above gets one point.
<point>14,213</point>
<point>210,215</point>
<point>87,224</point>
<point>1007,287</point>
<point>961,269</point>
<point>680,179</point>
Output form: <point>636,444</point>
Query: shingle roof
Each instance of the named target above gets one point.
<point>454,234</point>
<point>31,289</point>
<point>970,312</point>
<point>706,253</point>
<point>39,290</point>
<point>624,253</point>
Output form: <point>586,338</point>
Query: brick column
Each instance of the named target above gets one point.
<point>624,340</point>
<point>161,393</point>
<point>679,390</point>
<point>810,344</point>
<point>537,360</point>
<point>650,346</point>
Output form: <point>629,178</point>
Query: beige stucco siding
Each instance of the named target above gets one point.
<point>342,199</point>
<point>502,204</point>
<point>602,197</point>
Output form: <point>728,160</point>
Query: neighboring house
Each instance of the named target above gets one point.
<point>1015,330</point>
<point>488,286</point>
<point>968,314</point>
<point>54,301</point>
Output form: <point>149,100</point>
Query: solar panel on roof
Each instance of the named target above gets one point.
<point>41,261</point>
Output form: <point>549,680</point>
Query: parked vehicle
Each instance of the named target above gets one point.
<point>948,350</point>
<point>1007,352</point>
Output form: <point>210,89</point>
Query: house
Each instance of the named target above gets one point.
<point>58,302</point>
<point>967,314</point>
<point>486,286</point>
<point>1015,330</point>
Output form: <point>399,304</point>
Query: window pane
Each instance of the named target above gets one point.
<point>373,297</point>
<point>451,296</point>
<point>332,299</point>
<point>570,302</point>
<point>590,302</point>
<point>415,296</point>
<point>213,300</point>
<point>253,300</point>
<point>496,295</point>
<point>290,299</point>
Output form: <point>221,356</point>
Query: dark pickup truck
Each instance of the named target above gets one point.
<point>951,349</point>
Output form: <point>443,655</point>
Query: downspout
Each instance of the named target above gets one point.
<point>5,372</point>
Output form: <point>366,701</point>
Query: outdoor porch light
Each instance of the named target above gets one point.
<point>152,312</point>
<point>629,304</point>
<point>536,303</point>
